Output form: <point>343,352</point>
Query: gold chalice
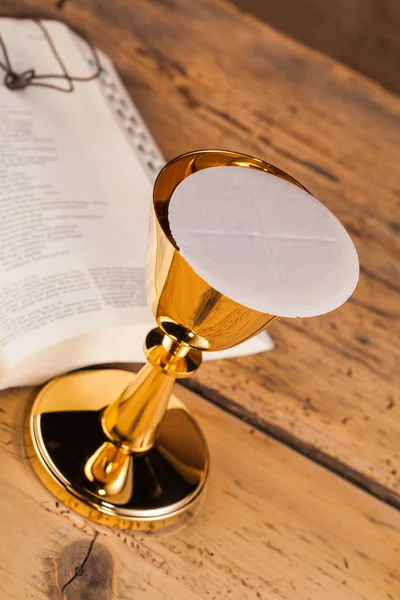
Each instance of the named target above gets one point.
<point>122,449</point>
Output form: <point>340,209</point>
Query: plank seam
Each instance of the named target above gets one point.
<point>276,432</point>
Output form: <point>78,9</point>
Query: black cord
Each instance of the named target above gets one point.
<point>19,81</point>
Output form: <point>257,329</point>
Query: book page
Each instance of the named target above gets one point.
<point>76,176</point>
<point>74,199</point>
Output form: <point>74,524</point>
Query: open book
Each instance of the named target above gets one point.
<point>76,176</point>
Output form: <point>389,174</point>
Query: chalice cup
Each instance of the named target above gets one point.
<point>121,448</point>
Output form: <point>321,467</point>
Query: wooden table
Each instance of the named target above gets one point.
<point>284,518</point>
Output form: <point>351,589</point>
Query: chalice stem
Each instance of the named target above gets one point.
<point>132,420</point>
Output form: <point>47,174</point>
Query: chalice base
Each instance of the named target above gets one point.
<point>64,430</point>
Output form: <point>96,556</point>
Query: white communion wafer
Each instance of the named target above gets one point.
<point>263,242</point>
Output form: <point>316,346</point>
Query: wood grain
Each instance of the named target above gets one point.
<point>204,75</point>
<point>273,525</point>
<point>363,34</point>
